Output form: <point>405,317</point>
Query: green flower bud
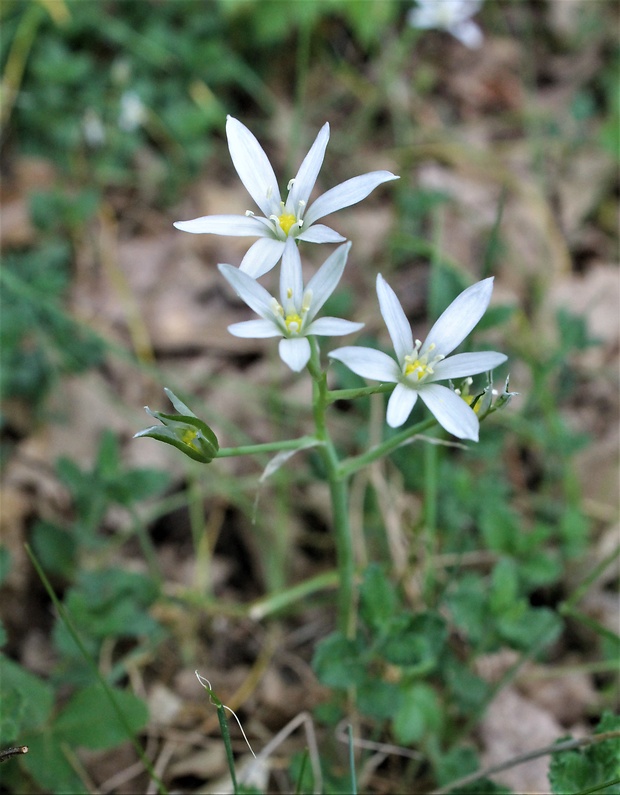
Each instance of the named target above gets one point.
<point>184,431</point>
<point>504,399</point>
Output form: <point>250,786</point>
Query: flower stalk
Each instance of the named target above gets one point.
<point>353,464</point>
<point>267,447</point>
<point>338,491</point>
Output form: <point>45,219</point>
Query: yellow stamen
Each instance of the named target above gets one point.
<point>420,366</point>
<point>286,222</point>
<point>417,366</point>
<point>293,323</point>
<point>188,436</point>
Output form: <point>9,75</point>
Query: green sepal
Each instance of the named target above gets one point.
<point>184,431</point>
<point>181,407</point>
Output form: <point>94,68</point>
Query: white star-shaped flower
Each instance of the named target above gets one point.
<point>419,366</point>
<point>292,317</point>
<point>282,220</point>
<point>451,15</point>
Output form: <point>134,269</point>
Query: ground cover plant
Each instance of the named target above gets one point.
<point>383,562</point>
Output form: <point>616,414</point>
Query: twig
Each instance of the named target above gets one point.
<point>10,752</point>
<point>566,745</point>
<point>305,719</point>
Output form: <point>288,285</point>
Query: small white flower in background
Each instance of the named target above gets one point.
<point>93,129</point>
<point>292,317</point>
<point>132,112</point>
<point>451,15</point>
<point>282,219</point>
<point>419,365</point>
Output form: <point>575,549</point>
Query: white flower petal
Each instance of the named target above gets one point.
<point>233,225</point>
<point>261,257</point>
<point>291,278</point>
<point>308,172</point>
<point>249,290</point>
<point>468,33</point>
<point>401,402</point>
<point>450,15</point>
<point>253,167</point>
<point>419,18</point>
<point>255,329</point>
<point>325,280</point>
<point>368,363</point>
<point>450,411</point>
<point>459,318</point>
<point>295,352</point>
<point>464,364</point>
<point>333,327</point>
<point>395,319</point>
<point>346,194</point>
<point>319,233</point>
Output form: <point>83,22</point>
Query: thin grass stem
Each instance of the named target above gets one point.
<point>64,617</point>
<point>352,760</point>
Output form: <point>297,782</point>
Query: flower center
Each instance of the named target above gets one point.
<point>418,367</point>
<point>188,436</point>
<point>286,221</point>
<point>293,323</point>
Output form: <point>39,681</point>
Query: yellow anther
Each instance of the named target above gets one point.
<point>188,436</point>
<point>286,222</point>
<point>289,292</point>
<point>469,399</point>
<point>418,367</point>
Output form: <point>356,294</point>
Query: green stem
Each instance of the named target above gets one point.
<point>282,600</point>
<point>599,787</point>
<point>351,394</point>
<point>221,716</point>
<point>596,572</point>
<point>567,608</point>
<point>351,465</point>
<point>591,623</point>
<point>338,493</point>
<point>268,447</point>
<point>430,520</point>
<point>352,760</point>
<point>147,547</point>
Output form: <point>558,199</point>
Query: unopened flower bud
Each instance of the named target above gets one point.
<point>184,431</point>
<point>505,397</point>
